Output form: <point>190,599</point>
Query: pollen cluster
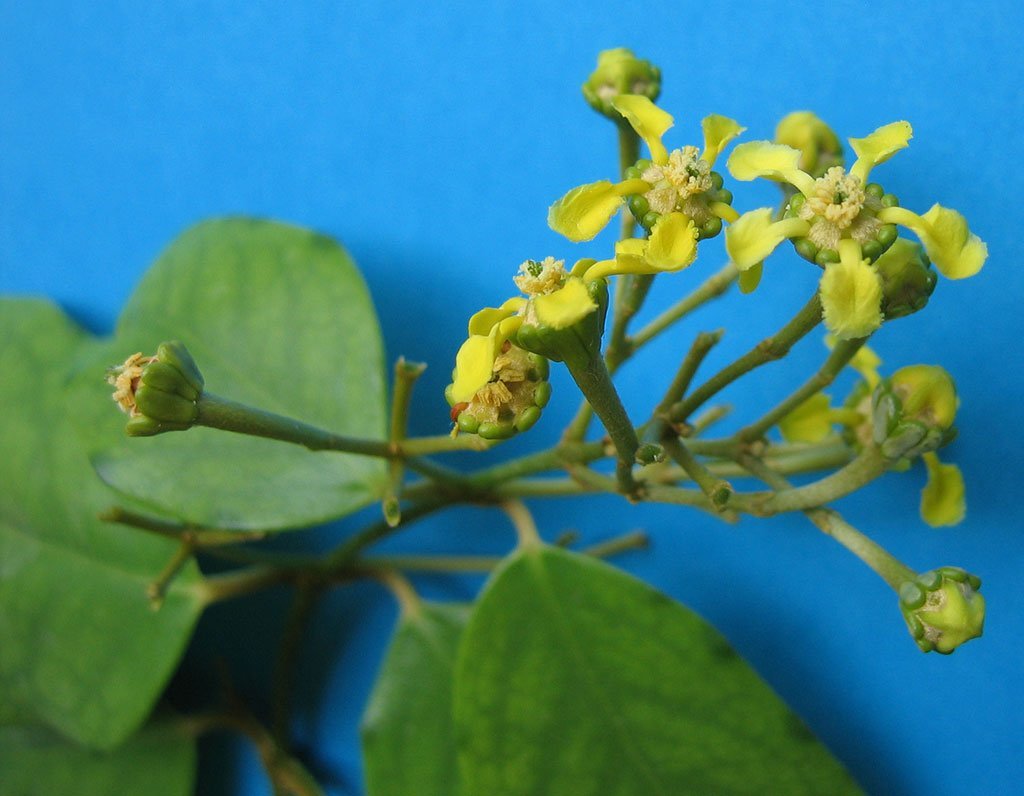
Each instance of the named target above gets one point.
<point>685,175</point>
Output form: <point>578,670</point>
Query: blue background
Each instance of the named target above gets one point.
<point>431,141</point>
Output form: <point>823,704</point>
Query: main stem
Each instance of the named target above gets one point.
<point>768,350</point>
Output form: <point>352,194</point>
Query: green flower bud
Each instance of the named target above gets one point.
<point>159,393</point>
<point>943,608</point>
<point>907,279</point>
<point>620,72</point>
<point>913,411</point>
<point>819,146</point>
<point>579,341</point>
<point>511,402</point>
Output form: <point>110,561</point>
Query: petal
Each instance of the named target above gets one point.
<point>942,499</point>
<point>482,322</point>
<point>851,295</point>
<point>718,132</point>
<point>564,307</point>
<point>649,121</point>
<point>474,365</point>
<point>809,422</point>
<point>753,236</point>
<point>956,251</point>
<point>775,161</point>
<point>878,147</point>
<point>673,243</point>
<point>751,278</point>
<point>585,210</point>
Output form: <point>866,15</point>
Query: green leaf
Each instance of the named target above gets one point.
<point>408,738</point>
<point>276,317</point>
<point>80,648</point>
<point>575,678</point>
<point>159,761</point>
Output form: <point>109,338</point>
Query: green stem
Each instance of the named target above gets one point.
<point>843,352</point>
<point>406,374</point>
<point>218,588</point>
<point>345,554</point>
<point>713,287</point>
<point>868,466</point>
<point>595,383</point>
<point>157,590</point>
<point>629,153</point>
<point>893,571</point>
<point>226,415</point>
<point>199,538</point>
<point>768,350</point>
<point>307,593</point>
<point>718,491</point>
<point>522,521</point>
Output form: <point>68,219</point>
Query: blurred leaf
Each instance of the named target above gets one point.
<point>277,317</point>
<point>158,761</point>
<point>577,679</point>
<point>408,739</point>
<point>80,648</point>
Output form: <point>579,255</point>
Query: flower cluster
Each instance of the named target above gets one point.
<point>845,224</point>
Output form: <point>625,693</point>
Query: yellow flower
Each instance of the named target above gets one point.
<point>942,499</point>
<point>844,224</point>
<point>671,188</point>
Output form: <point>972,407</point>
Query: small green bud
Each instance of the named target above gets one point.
<point>579,341</point>
<point>943,608</point>
<point>819,146</point>
<point>650,453</point>
<point>620,72</point>
<point>159,393</point>
<point>907,279</point>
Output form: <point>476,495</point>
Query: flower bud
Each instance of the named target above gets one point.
<point>620,72</point>
<point>511,402</point>
<point>907,279</point>
<point>943,608</point>
<point>158,393</point>
<point>913,411</point>
<point>819,146</point>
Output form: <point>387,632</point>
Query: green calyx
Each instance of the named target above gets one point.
<point>619,71</point>
<point>160,393</point>
<point>708,225</point>
<point>511,402</point>
<point>577,343</point>
<point>943,608</point>
<point>908,279</point>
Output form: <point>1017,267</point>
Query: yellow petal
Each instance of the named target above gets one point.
<point>809,422</point>
<point>585,210</point>
<point>942,499</point>
<point>564,307</point>
<point>851,295</point>
<point>878,147</point>
<point>474,365</point>
<point>649,121</point>
<point>751,278</point>
<point>718,132</point>
<point>753,236</point>
<point>956,251</point>
<point>673,243</point>
<point>482,322</point>
<point>775,161</point>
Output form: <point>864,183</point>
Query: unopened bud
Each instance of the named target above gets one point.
<point>158,393</point>
<point>819,146</point>
<point>913,411</point>
<point>907,279</point>
<point>943,608</point>
<point>620,72</point>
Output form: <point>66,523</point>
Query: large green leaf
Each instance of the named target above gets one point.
<point>158,761</point>
<point>80,648</point>
<point>276,317</point>
<point>408,738</point>
<point>577,679</point>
